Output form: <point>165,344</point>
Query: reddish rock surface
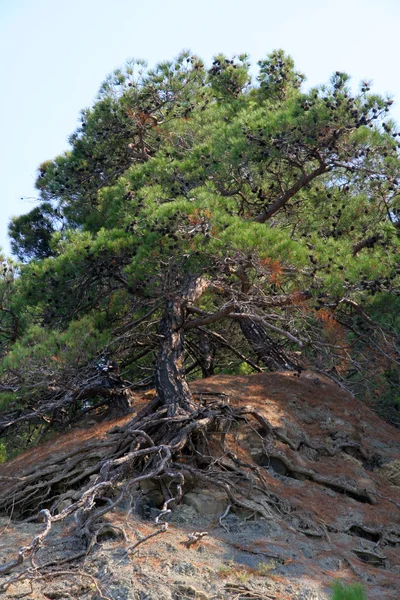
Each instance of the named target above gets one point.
<point>329,465</point>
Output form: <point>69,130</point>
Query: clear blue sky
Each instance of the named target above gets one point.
<point>54,54</point>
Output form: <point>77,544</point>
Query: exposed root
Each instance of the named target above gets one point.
<point>132,549</point>
<point>31,548</point>
<point>386,498</point>
<point>372,558</point>
<point>194,537</point>
<point>242,592</point>
<point>173,452</point>
<point>224,514</point>
<point>144,449</point>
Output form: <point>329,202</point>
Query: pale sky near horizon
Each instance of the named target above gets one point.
<point>55,54</point>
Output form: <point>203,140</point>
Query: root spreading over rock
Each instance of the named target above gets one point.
<point>298,453</point>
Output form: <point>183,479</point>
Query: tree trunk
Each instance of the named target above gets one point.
<point>171,384</point>
<point>172,387</point>
<point>207,356</point>
<point>267,351</point>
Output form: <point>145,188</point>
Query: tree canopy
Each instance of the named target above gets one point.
<point>204,221</point>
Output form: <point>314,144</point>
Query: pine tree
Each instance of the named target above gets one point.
<point>198,224</point>
<point>198,214</point>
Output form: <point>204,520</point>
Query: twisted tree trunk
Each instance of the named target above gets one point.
<point>172,387</point>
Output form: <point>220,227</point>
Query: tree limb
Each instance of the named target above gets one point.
<point>223,342</point>
<point>289,336</point>
<point>282,200</point>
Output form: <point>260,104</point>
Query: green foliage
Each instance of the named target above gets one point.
<point>31,233</point>
<point>286,202</point>
<point>229,76</point>
<point>3,452</point>
<point>122,127</point>
<point>353,591</point>
<point>278,77</point>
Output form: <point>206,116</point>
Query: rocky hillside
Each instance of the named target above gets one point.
<point>313,496</point>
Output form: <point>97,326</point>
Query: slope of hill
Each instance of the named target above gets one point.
<point>303,491</point>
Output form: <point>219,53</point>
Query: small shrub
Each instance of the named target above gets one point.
<point>354,591</point>
<point>264,569</point>
<point>226,570</point>
<point>242,576</point>
<point>3,452</point>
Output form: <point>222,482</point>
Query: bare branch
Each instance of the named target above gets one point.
<point>284,199</point>
<point>224,342</point>
<point>254,317</point>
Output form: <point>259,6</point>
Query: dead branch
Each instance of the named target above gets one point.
<point>263,320</point>
<point>193,538</point>
<point>226,344</point>
<point>163,529</point>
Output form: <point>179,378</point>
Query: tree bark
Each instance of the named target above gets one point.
<point>171,385</point>
<point>207,356</point>
<point>264,347</point>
